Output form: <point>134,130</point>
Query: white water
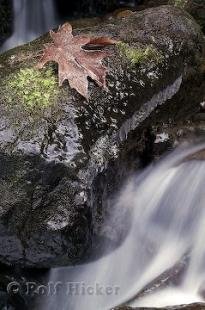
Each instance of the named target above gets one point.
<point>167,202</point>
<point>31,19</point>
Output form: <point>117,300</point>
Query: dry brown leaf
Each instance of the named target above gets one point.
<point>75,63</point>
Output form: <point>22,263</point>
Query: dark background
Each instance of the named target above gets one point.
<point>91,7</point>
<point>65,9</point>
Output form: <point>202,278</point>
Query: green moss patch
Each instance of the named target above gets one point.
<point>137,55</point>
<point>179,3</point>
<point>32,88</point>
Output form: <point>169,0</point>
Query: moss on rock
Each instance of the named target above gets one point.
<point>179,3</point>
<point>140,55</point>
<point>32,88</point>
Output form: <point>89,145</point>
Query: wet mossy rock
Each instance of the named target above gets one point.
<point>61,156</point>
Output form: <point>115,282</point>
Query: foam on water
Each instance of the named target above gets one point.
<point>171,297</point>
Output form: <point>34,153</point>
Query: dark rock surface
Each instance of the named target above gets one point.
<point>60,164</point>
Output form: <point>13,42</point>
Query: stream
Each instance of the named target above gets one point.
<point>166,202</point>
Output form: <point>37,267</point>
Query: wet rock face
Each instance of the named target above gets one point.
<point>60,163</point>
<point>33,189</point>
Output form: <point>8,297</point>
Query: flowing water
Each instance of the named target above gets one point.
<point>31,19</point>
<point>167,203</point>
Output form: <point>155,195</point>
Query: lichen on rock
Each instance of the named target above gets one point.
<point>31,87</point>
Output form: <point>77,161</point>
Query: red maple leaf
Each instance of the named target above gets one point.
<point>75,63</point>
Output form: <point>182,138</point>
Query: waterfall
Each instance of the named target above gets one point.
<point>31,19</point>
<point>167,204</point>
